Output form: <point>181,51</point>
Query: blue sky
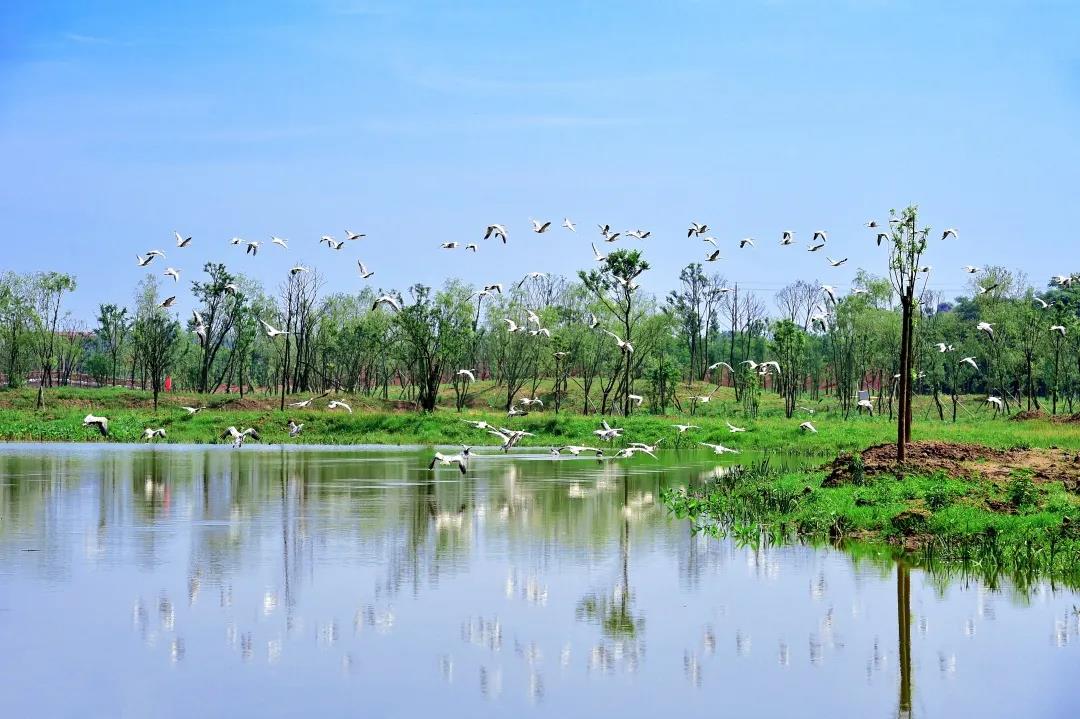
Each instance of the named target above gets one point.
<point>421,122</point>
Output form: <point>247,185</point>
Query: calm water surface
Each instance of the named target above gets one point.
<point>180,582</point>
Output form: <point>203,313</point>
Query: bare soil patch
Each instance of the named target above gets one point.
<point>961,460</point>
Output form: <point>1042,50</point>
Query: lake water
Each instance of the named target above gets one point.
<point>210,582</point>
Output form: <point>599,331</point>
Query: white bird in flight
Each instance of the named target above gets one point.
<point>696,229</point>
<point>350,235</point>
<point>172,272</point>
<point>388,301</point>
<point>467,373</point>
<point>787,238</point>
<point>986,327</point>
<point>498,231</point>
<point>835,263</point>
<point>808,427</point>
<point>540,227</point>
<point>280,242</point>
<point>950,231</point>
<point>719,448</point>
<point>270,330</point>
<point>569,225</point>
<point>970,361</point>
<point>446,460</point>
<point>336,404</point>
<point>364,271</point>
<point>683,427</point>
<point>624,346</point>
<point>182,241</point>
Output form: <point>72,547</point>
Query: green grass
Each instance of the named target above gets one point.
<point>377,422</point>
<point>1024,530</point>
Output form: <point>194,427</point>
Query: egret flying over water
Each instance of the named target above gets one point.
<point>446,460</point>
<point>719,448</point>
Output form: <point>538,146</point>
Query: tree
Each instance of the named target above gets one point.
<point>614,287</point>
<point>220,309</point>
<point>112,330</point>
<point>156,335</point>
<point>789,345</point>
<point>435,329</point>
<point>49,289</point>
<point>907,245</point>
<point>16,316</point>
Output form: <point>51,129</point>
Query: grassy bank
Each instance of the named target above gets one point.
<point>130,411</point>
<point>1017,527</point>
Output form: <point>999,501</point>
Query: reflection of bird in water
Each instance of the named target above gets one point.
<point>946,664</point>
<point>709,641</point>
<point>818,587</point>
<point>815,650</point>
<point>166,614</point>
<point>783,657</point>
<point>446,666</point>
<point>536,687</point>
<point>692,668</point>
<point>530,653</point>
<point>742,643</point>
<point>491,682</point>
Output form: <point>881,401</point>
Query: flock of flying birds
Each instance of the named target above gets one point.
<point>533,327</point>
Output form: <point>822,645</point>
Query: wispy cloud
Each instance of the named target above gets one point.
<point>82,39</point>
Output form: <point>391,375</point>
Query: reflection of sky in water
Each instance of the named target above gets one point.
<point>175,582</point>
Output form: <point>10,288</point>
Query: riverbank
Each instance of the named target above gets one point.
<point>1019,523</point>
<point>130,412</point>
